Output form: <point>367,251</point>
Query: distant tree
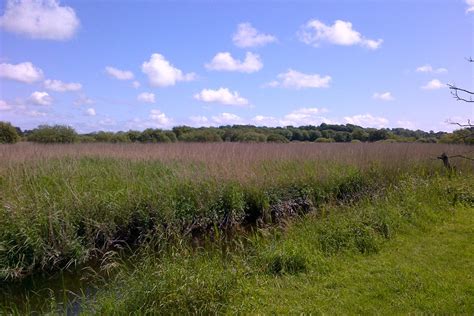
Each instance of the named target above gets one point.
<point>8,133</point>
<point>360,134</point>
<point>133,136</point>
<point>252,137</point>
<point>325,140</point>
<point>377,134</point>
<point>151,135</point>
<point>53,134</point>
<point>277,138</point>
<point>202,136</point>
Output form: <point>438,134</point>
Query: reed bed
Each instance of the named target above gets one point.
<point>62,205</point>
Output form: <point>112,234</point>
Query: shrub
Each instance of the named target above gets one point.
<point>53,134</point>
<point>252,137</point>
<point>201,136</point>
<point>325,140</point>
<point>8,133</point>
<point>277,138</point>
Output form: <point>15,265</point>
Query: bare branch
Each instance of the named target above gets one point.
<point>455,92</point>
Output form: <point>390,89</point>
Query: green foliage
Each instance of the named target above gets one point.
<point>201,135</point>
<point>325,140</point>
<point>277,138</point>
<point>8,133</point>
<point>251,137</point>
<point>53,134</point>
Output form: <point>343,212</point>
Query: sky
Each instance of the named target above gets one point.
<point>120,65</point>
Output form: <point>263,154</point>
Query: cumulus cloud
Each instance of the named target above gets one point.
<point>40,19</point>
<point>248,36</point>
<point>406,124</point>
<point>59,86</point>
<point>146,97</point>
<point>90,112</point>
<point>433,85</point>
<point>83,100</point>
<point>470,6</point>
<point>314,32</point>
<point>227,119</point>
<point>430,69</point>
<point>304,116</point>
<point>298,80</point>
<point>24,72</point>
<point>160,118</point>
<point>366,120</point>
<point>161,73</point>
<point>225,62</point>
<point>199,120</point>
<point>34,113</point>
<point>119,74</point>
<point>221,95</point>
<point>136,84</point>
<point>298,117</point>
<point>41,98</point>
<point>4,106</point>
<point>383,96</point>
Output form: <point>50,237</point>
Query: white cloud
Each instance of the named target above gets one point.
<point>4,106</point>
<point>83,100</point>
<point>199,120</point>
<point>430,69</point>
<point>383,96</point>
<point>119,74</point>
<point>34,113</point>
<point>433,85</point>
<point>304,116</point>
<point>24,72</point>
<point>162,73</point>
<point>41,98</point>
<point>221,95</point>
<point>160,118</point>
<point>298,117</point>
<point>90,112</point>
<point>470,6</point>
<point>146,97</point>
<point>40,19</point>
<point>136,84</point>
<point>225,62</point>
<point>297,80</point>
<point>59,86</point>
<point>340,33</point>
<point>406,124</point>
<point>107,122</point>
<point>248,36</point>
<point>366,120</point>
<point>227,119</point>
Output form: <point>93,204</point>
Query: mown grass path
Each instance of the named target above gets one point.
<point>427,270</point>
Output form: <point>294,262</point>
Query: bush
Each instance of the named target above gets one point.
<point>8,133</point>
<point>201,136</point>
<point>277,138</point>
<point>53,134</point>
<point>252,137</point>
<point>324,140</point>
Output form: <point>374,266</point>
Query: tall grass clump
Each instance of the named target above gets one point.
<point>73,203</point>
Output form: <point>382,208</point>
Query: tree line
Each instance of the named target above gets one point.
<point>324,133</point>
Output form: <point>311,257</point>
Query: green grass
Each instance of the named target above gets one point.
<point>409,250</point>
<point>263,235</point>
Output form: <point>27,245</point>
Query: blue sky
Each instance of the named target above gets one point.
<point>119,65</point>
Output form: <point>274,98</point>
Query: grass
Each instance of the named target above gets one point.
<point>176,224</point>
<point>422,261</point>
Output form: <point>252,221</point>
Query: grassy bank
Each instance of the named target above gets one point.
<point>185,213</point>
<point>409,250</point>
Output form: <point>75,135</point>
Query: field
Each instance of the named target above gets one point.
<point>236,228</point>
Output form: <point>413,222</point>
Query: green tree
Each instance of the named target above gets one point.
<point>53,134</point>
<point>8,133</point>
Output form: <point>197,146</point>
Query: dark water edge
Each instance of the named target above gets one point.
<point>62,291</point>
